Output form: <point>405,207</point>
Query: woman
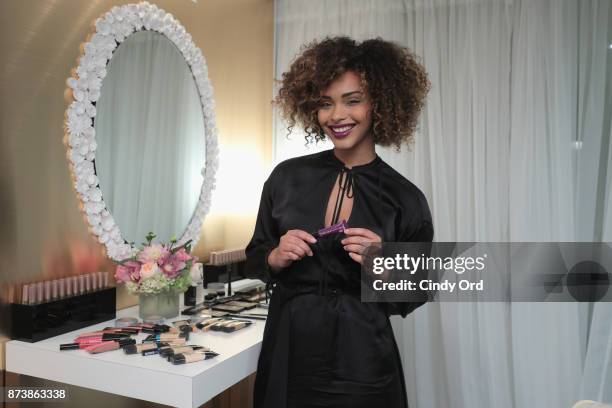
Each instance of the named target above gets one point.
<point>322,346</point>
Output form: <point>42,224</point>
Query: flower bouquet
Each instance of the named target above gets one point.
<point>158,273</point>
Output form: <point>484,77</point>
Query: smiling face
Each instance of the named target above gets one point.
<point>345,114</point>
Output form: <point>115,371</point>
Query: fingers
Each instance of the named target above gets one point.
<point>294,245</point>
<point>357,249</point>
<point>297,246</point>
<point>357,240</point>
<point>368,235</point>
<point>356,258</point>
<point>303,235</point>
<point>361,231</point>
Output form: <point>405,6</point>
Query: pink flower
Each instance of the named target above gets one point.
<point>152,253</point>
<point>173,267</point>
<point>128,272</point>
<point>182,255</point>
<point>122,274</point>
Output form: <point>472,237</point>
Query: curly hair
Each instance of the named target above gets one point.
<point>394,80</point>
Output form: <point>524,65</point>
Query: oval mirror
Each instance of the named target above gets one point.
<point>141,134</point>
<point>150,134</point>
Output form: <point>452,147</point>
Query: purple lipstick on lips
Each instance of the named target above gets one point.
<point>341,131</point>
<point>332,229</point>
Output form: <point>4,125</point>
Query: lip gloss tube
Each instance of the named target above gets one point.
<point>108,346</point>
<point>205,325</point>
<point>74,346</point>
<point>24,294</point>
<point>332,229</point>
<point>139,348</point>
<point>94,282</point>
<point>85,345</point>
<point>87,279</point>
<point>68,284</point>
<point>54,289</point>
<point>81,281</point>
<point>170,351</point>
<point>47,291</point>
<point>168,336</point>
<point>101,337</point>
<point>120,332</point>
<point>40,292</point>
<point>75,285</point>
<point>192,357</point>
<point>62,288</point>
<point>99,279</point>
<point>31,294</point>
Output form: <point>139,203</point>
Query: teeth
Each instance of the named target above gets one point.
<point>342,129</point>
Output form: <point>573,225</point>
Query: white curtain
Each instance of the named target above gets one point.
<point>517,86</point>
<point>150,133</point>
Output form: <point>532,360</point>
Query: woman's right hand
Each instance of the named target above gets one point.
<point>292,246</point>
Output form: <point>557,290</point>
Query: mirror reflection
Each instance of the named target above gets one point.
<point>151,138</point>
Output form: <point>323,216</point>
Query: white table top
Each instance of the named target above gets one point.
<point>149,378</point>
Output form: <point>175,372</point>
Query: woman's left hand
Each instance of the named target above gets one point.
<point>357,241</point>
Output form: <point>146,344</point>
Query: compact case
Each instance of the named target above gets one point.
<point>43,320</point>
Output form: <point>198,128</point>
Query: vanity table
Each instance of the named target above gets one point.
<point>149,378</point>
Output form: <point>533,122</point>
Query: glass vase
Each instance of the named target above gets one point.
<point>164,304</point>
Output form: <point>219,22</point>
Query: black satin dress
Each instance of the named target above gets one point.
<point>322,346</point>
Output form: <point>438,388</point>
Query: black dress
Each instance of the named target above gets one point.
<point>322,346</point>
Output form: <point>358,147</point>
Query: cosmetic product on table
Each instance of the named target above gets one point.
<point>50,308</point>
<point>126,322</point>
<point>247,316</point>
<point>108,346</point>
<point>169,351</point>
<point>226,261</point>
<point>195,292</point>
<point>227,325</point>
<point>89,345</point>
<point>192,357</point>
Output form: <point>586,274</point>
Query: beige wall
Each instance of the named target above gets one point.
<point>42,232</point>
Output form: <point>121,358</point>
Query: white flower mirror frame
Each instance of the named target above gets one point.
<point>83,94</point>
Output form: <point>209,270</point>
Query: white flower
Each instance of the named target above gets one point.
<point>108,223</point>
<point>149,270</point>
<point>196,272</point>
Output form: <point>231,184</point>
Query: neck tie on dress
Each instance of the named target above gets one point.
<point>345,184</point>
